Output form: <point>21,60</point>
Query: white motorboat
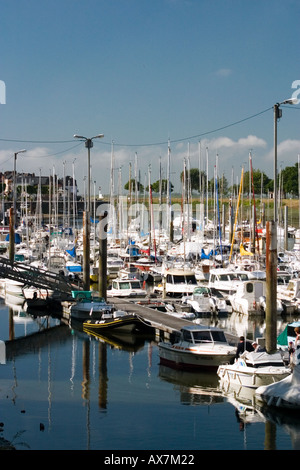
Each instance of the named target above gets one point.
<point>204,301</point>
<point>290,292</point>
<point>178,282</point>
<point>13,291</point>
<point>284,394</point>
<point>87,306</point>
<point>200,301</point>
<point>198,347</point>
<point>172,310</point>
<point>249,298</point>
<point>254,369</point>
<point>227,280</point>
<point>122,287</point>
<point>114,264</point>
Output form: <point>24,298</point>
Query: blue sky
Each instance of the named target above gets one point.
<point>143,72</point>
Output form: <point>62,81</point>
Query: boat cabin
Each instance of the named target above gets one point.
<point>196,335</point>
<point>226,280</point>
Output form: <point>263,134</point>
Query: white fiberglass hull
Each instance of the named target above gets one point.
<point>245,376</point>
<point>182,358</point>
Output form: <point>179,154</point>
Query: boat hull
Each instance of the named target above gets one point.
<point>252,377</point>
<point>185,360</point>
<point>125,324</point>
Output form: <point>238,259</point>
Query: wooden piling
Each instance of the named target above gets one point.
<point>271,286</point>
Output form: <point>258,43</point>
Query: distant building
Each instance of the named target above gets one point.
<point>30,179</point>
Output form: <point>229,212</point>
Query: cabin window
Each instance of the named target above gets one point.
<point>186,335</point>
<point>202,336</point>
<point>169,278</point>
<point>190,280</point>
<point>249,288</point>
<point>135,285</point>
<point>219,336</point>
<point>124,285</point>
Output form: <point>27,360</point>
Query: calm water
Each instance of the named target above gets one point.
<point>73,391</point>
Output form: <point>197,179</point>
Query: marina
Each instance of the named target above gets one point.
<point>64,389</point>
<point>180,329</point>
<point>149,228</point>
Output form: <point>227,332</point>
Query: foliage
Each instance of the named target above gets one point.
<point>164,186</point>
<point>131,183</point>
<point>289,179</point>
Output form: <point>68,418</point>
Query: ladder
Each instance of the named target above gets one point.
<point>31,276</point>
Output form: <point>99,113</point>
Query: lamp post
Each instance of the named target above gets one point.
<point>271,250</point>
<point>277,116</point>
<point>13,212</point>
<point>15,180</point>
<point>89,144</point>
<point>86,233</point>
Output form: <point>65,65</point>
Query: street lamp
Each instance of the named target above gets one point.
<point>277,116</point>
<point>14,181</point>
<point>271,250</point>
<point>89,144</point>
<point>86,248</point>
<point>12,217</point>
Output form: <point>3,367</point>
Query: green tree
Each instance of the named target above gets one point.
<point>164,186</point>
<point>289,179</point>
<point>140,187</point>
<point>257,183</point>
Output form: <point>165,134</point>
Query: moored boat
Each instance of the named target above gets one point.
<point>117,321</point>
<point>247,299</point>
<point>198,347</point>
<point>178,281</point>
<point>254,369</point>
<point>122,287</point>
<point>87,306</point>
<point>283,394</point>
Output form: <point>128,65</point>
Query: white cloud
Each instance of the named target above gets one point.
<point>287,151</point>
<point>224,72</point>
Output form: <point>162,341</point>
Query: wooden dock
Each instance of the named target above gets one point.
<point>163,323</point>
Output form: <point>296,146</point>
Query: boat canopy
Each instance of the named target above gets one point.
<point>262,359</point>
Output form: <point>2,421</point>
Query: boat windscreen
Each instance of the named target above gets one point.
<point>135,284</point>
<point>219,336</point>
<point>202,336</point>
<point>190,279</point>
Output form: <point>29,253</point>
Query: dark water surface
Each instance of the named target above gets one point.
<point>70,391</point>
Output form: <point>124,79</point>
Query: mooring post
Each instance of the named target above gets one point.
<point>271,286</point>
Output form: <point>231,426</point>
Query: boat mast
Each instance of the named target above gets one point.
<point>236,214</point>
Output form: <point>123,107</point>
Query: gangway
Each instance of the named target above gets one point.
<point>32,276</point>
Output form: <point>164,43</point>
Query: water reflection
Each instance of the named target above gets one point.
<point>196,388</point>
<point>67,347</point>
